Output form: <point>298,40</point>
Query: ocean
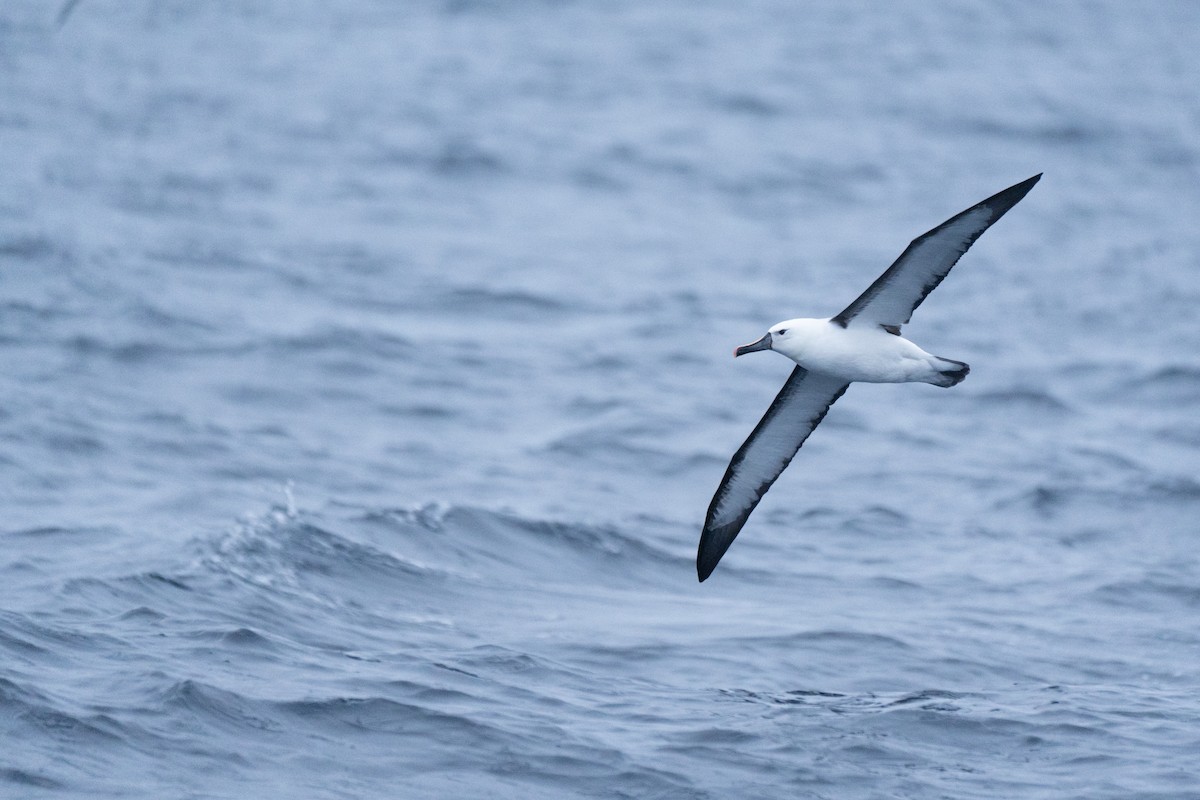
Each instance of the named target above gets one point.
<point>365,375</point>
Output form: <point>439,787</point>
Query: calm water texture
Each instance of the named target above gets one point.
<point>365,374</point>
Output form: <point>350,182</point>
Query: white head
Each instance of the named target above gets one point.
<point>787,337</point>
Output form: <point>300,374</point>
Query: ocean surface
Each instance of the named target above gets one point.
<point>365,376</point>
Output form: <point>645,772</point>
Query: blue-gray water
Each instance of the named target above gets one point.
<point>365,374</point>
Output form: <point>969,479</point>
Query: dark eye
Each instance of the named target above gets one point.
<point>781,332</point>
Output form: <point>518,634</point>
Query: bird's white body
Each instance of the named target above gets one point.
<point>870,354</point>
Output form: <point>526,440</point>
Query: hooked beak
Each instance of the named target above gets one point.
<point>762,344</point>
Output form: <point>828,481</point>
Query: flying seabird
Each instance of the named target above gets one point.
<point>863,343</point>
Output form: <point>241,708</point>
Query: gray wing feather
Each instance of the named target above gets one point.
<point>895,294</point>
<point>798,409</point>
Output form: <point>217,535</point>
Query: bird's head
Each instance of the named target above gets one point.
<point>779,337</point>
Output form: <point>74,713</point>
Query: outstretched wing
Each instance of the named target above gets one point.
<point>891,299</point>
<point>798,409</point>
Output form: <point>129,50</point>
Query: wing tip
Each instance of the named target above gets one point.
<point>1007,198</point>
<point>1029,183</point>
<point>714,542</point>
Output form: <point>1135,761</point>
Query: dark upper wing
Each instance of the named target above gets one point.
<point>891,299</point>
<point>798,409</point>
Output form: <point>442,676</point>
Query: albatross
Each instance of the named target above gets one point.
<point>862,343</point>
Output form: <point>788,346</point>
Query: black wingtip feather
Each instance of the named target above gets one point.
<point>1009,197</point>
<point>706,562</point>
<point>714,541</point>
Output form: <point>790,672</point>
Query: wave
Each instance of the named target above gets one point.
<point>290,555</point>
<point>220,708</point>
<point>454,157</point>
<point>504,544</point>
<point>33,780</point>
<point>374,714</point>
<point>1027,400</point>
<point>844,703</point>
<point>29,713</point>
<point>28,247</point>
<point>1169,386</point>
<point>184,338</point>
<point>605,448</point>
<point>1151,593</point>
<point>1082,494</point>
<point>421,565</point>
<point>520,305</point>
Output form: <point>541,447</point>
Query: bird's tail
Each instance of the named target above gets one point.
<point>948,372</point>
